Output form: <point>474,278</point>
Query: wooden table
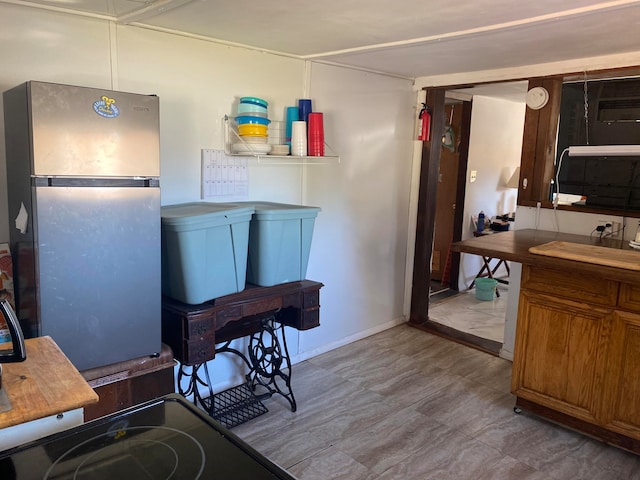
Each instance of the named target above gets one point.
<point>487,270</point>
<point>46,384</point>
<point>576,357</point>
<point>193,331</point>
<point>514,246</point>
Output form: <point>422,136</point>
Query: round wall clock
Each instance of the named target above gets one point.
<point>537,98</point>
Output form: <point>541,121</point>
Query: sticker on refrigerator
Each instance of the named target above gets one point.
<point>22,219</point>
<point>106,107</point>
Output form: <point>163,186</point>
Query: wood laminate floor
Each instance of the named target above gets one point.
<point>407,405</point>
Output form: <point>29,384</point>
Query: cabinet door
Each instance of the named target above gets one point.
<point>621,398</point>
<point>629,297</point>
<point>558,361</point>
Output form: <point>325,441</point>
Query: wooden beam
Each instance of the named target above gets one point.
<point>430,166</point>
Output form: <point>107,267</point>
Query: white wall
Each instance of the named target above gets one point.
<point>360,239</point>
<point>360,248</point>
<point>495,147</point>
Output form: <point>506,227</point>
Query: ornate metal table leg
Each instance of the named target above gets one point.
<point>268,359</point>
<point>194,381</point>
<point>269,368</point>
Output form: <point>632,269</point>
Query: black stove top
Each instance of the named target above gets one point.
<point>163,439</point>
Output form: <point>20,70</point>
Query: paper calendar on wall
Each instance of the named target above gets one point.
<point>223,175</point>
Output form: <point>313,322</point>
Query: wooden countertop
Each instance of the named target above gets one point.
<point>515,245</point>
<point>45,384</point>
<point>612,257</point>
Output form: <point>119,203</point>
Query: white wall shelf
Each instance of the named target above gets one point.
<point>268,159</point>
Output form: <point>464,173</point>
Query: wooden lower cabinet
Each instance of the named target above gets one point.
<point>576,361</point>
<point>621,395</point>
<point>125,384</point>
<point>559,354</point>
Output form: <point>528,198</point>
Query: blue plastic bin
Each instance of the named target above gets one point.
<point>279,242</point>
<point>486,288</point>
<point>204,250</point>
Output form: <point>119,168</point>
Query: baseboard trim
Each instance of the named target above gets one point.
<point>300,357</point>
<point>506,354</point>
<point>237,379</point>
<point>482,344</point>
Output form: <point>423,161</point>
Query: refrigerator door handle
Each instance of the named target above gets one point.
<point>95,182</point>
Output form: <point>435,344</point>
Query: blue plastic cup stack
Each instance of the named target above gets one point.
<point>304,105</point>
<point>293,115</point>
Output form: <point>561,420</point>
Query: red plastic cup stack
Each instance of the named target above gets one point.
<point>315,134</point>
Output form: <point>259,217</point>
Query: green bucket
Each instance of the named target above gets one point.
<point>486,288</point>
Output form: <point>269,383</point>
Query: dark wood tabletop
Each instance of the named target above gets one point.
<point>514,246</point>
<point>192,331</point>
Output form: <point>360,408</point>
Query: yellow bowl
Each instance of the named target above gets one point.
<point>253,129</point>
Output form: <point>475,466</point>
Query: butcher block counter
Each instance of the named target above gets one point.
<point>577,351</point>
<point>45,393</point>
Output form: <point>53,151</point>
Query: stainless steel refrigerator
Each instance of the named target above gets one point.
<point>83,189</point>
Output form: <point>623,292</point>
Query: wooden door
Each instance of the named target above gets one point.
<point>560,354</point>
<point>448,179</point>
<point>621,402</point>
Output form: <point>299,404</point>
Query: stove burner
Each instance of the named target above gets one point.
<point>159,439</point>
<point>140,452</point>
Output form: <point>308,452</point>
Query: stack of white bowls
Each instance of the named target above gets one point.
<point>276,139</point>
<point>253,124</point>
<point>276,133</point>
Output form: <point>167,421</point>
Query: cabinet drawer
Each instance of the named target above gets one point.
<point>310,319</point>
<point>629,298</point>
<point>574,286</point>
<point>298,318</point>
<point>196,327</point>
<point>226,315</point>
<point>311,299</point>
<point>197,351</point>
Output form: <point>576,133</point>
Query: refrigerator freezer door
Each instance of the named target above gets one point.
<point>90,132</point>
<point>98,254</point>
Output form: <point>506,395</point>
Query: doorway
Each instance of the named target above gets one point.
<point>429,218</point>
<point>440,213</point>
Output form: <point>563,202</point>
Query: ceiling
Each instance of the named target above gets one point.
<point>400,37</point>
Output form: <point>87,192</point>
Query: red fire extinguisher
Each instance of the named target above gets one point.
<point>424,120</point>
